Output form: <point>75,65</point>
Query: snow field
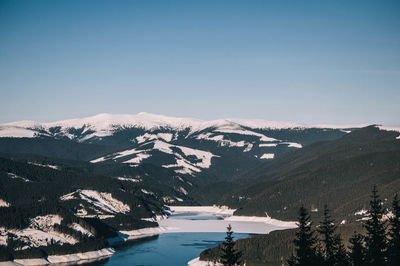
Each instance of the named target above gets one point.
<point>102,200</point>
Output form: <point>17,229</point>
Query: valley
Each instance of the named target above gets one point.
<point>84,185</point>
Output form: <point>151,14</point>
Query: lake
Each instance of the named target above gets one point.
<point>171,249</point>
<point>186,236</point>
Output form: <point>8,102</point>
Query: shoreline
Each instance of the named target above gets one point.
<point>259,225</point>
<point>80,258</point>
<point>198,262</point>
<point>67,258</point>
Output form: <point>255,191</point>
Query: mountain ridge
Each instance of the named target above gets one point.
<point>186,145</point>
<point>104,124</point>
<point>340,172</point>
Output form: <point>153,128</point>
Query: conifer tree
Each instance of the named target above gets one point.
<point>357,250</point>
<point>334,252</point>
<point>10,241</point>
<point>327,231</point>
<point>394,247</point>
<point>230,256</point>
<point>341,258</point>
<point>305,250</point>
<point>376,241</point>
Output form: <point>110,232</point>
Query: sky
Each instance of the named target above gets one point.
<point>311,62</point>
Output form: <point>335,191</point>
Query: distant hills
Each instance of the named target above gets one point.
<point>118,172</point>
<point>339,173</point>
<point>185,145</point>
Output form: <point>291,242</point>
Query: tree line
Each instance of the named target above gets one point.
<point>321,245</point>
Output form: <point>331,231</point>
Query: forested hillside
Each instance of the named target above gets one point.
<point>340,172</point>
<point>53,206</point>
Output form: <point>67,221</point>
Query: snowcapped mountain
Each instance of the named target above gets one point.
<point>102,125</point>
<point>185,145</point>
<point>82,180</point>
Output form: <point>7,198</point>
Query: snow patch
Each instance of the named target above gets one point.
<point>147,192</point>
<point>361,212</point>
<point>267,156</point>
<point>146,137</point>
<point>77,227</point>
<point>204,157</point>
<point>40,232</point>
<point>181,189</point>
<point>16,132</point>
<point>168,199</point>
<point>102,200</point>
<point>129,179</point>
<point>188,168</point>
<point>267,144</point>
<point>224,142</point>
<point>207,136</point>
<point>165,136</point>
<point>68,259</point>
<point>135,234</point>
<point>248,148</point>
<point>198,262</point>
<point>45,222</point>
<point>14,176</point>
<point>267,219</point>
<point>98,160</point>
<point>4,203</point>
<point>293,144</point>
<point>55,167</point>
<point>91,255</point>
<point>396,129</point>
<point>139,157</point>
<point>246,132</point>
<point>69,196</point>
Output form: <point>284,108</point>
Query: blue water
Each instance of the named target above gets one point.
<point>172,249</point>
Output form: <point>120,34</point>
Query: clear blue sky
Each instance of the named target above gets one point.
<point>303,61</point>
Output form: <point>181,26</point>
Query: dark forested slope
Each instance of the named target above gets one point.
<point>339,172</point>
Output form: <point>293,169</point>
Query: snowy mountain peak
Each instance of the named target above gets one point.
<point>106,124</point>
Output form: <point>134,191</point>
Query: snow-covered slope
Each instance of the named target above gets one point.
<point>39,232</point>
<point>106,124</point>
<point>101,202</point>
<point>185,145</point>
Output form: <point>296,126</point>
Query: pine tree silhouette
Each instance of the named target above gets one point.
<point>334,252</point>
<point>10,241</point>
<point>376,241</point>
<point>394,247</point>
<point>341,258</point>
<point>305,242</point>
<point>327,230</point>
<point>357,250</point>
<point>230,256</point>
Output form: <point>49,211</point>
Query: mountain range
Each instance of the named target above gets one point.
<point>109,173</point>
<point>187,146</point>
